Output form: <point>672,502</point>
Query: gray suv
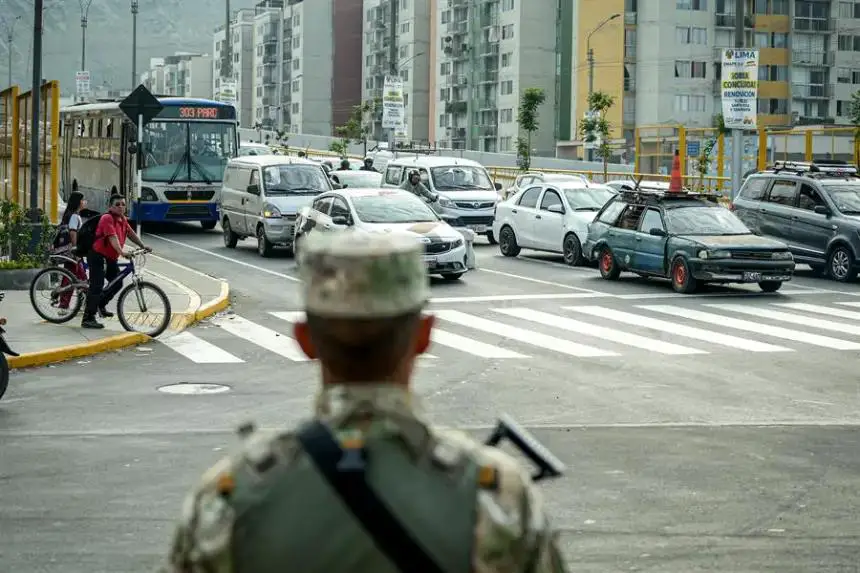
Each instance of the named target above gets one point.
<point>813,207</point>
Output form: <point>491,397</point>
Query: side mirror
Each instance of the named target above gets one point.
<point>821,210</point>
<point>498,186</point>
<point>340,220</point>
<point>254,189</point>
<point>344,186</point>
<point>556,209</point>
<point>132,148</point>
<point>656,232</point>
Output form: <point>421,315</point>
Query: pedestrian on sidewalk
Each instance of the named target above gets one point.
<point>65,242</point>
<point>368,484</point>
<point>109,240</point>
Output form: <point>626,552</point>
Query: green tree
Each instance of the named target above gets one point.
<point>357,128</point>
<point>854,115</point>
<point>703,162</point>
<point>527,118</point>
<point>596,129</point>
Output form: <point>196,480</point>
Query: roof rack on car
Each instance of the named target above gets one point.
<point>818,168</point>
<point>645,196</point>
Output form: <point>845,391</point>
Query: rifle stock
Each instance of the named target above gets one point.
<point>548,465</point>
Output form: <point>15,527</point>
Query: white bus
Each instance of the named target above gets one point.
<point>185,150</point>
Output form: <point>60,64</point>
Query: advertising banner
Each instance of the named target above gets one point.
<point>393,113</point>
<point>739,88</point>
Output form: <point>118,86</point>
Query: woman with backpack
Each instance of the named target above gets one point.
<point>67,239</point>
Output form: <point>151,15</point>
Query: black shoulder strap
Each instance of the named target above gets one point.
<point>352,487</point>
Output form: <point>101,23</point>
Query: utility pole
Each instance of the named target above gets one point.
<point>85,10</point>
<point>392,54</point>
<point>35,106</point>
<point>227,62</point>
<point>134,10</point>
<point>738,134</point>
<point>590,90</point>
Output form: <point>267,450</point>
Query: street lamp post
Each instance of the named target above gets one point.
<point>35,107</point>
<point>134,10</point>
<point>10,37</point>
<point>85,10</point>
<point>590,53</point>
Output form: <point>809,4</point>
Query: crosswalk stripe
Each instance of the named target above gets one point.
<point>293,316</point>
<point>757,327</point>
<point>609,334</point>
<point>471,346</point>
<point>854,304</point>
<point>790,318</point>
<point>826,310</point>
<point>261,336</point>
<point>522,335</point>
<point>198,350</point>
<point>681,330</point>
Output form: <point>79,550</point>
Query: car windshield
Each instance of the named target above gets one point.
<point>700,220</point>
<point>393,208</point>
<point>587,199</point>
<point>245,150</point>
<point>188,152</point>
<point>295,180</point>
<point>359,179</point>
<point>460,178</point>
<point>846,196</point>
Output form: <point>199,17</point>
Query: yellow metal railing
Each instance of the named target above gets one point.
<point>49,150</point>
<point>9,144</point>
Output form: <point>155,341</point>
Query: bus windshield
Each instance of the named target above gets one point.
<point>188,152</point>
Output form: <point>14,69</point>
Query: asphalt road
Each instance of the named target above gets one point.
<point>712,432</point>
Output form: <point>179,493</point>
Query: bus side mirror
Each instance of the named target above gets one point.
<point>132,148</point>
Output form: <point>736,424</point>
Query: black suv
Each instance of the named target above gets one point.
<point>813,207</point>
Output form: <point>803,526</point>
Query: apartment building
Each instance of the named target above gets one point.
<point>233,67</point>
<point>488,53</point>
<point>183,75</point>
<point>268,35</point>
<point>661,61</point>
<point>397,41</point>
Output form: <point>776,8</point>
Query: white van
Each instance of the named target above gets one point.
<point>467,195</point>
<point>262,195</point>
<point>247,148</point>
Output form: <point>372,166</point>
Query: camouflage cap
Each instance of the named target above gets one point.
<point>363,275</point>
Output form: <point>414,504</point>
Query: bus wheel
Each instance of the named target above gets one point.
<point>208,225</point>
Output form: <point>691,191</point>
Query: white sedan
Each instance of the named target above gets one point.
<point>549,217</point>
<point>384,211</point>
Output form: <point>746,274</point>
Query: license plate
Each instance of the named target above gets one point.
<point>478,228</point>
<point>430,261</point>
<point>752,277</point>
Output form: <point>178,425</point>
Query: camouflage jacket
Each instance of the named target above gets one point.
<point>419,190</point>
<point>512,533</point>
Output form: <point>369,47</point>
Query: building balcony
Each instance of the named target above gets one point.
<point>456,107</point>
<point>488,49</point>
<point>457,28</point>
<point>489,20</point>
<point>630,18</point>
<point>728,21</point>
<point>630,85</point>
<point>488,77</point>
<point>270,60</point>
<point>811,91</point>
<point>812,25</point>
<point>809,120</point>
<point>488,131</point>
<point>270,39</point>
<point>630,52</point>
<point>485,104</point>
<point>270,79</point>
<point>812,58</point>
<point>456,80</point>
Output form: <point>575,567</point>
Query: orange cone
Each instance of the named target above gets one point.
<point>675,179</point>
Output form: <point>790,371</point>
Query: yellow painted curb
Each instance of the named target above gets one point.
<point>63,353</point>
<point>183,320</point>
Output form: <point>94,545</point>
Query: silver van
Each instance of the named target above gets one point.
<point>262,195</point>
<point>467,195</point>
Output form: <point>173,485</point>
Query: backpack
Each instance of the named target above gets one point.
<point>87,235</point>
<point>62,238</point>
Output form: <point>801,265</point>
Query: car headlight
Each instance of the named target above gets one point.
<point>271,212</point>
<point>445,202</point>
<point>714,254</point>
<point>783,255</point>
<point>456,243</point>
<point>148,194</point>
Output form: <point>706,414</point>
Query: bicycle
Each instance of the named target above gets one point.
<point>67,294</point>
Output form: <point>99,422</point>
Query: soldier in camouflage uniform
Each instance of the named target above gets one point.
<point>461,506</point>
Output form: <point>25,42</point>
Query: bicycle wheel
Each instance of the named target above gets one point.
<point>4,374</point>
<point>143,307</point>
<point>56,295</point>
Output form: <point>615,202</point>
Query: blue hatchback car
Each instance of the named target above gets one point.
<point>686,237</point>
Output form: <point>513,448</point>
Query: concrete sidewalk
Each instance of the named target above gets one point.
<point>193,297</point>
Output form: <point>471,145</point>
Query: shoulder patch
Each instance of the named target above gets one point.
<point>488,477</point>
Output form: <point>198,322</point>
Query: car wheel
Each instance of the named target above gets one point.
<point>491,238</point>
<point>840,264</point>
<point>230,238</point>
<point>819,270</point>
<point>609,269</point>
<point>682,280</point>
<point>572,250</point>
<point>508,242</point>
<point>208,225</point>
<point>264,247</point>
<point>770,286</point>
<point>452,276</point>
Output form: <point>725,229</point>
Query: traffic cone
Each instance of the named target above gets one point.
<point>675,179</point>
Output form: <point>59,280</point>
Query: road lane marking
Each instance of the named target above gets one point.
<point>612,335</point>
<point>198,350</point>
<point>825,310</point>
<point>471,345</point>
<point>293,316</point>
<point>522,335</point>
<point>261,336</point>
<point>854,304</point>
<point>538,281</point>
<point>790,318</point>
<point>736,293</point>
<point>507,297</point>
<point>225,258</point>
<point>681,330</point>
<point>757,327</point>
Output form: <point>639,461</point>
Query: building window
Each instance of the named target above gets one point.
<point>297,42</point>
<point>446,16</point>
<point>445,69</point>
<point>507,5</point>
<point>297,20</point>
<point>849,9</point>
<point>404,75</point>
<point>508,32</point>
<point>296,86</point>
<point>773,106</point>
<point>507,87</point>
<point>506,59</point>
<point>848,43</point>
<point>689,103</point>
<point>692,35</point>
<point>690,70</point>
<point>445,94</point>
<point>405,27</point>
<point>295,108</point>
<point>773,73</point>
<point>701,5</point>
<point>506,116</point>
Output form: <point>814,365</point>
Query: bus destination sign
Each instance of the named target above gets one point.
<point>197,112</point>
